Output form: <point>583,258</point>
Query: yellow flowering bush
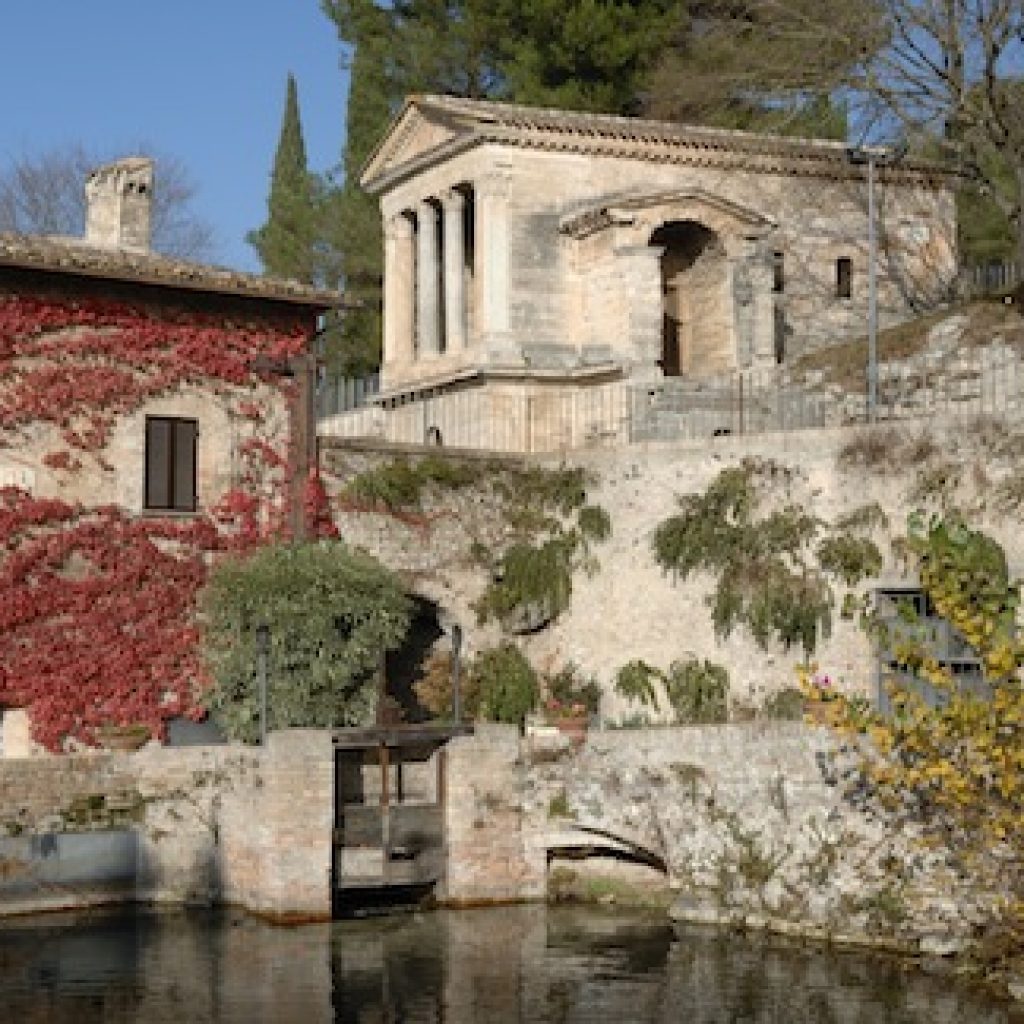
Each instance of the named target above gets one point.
<point>953,764</point>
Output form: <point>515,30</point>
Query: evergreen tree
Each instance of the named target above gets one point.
<point>353,227</point>
<point>580,54</point>
<point>287,243</point>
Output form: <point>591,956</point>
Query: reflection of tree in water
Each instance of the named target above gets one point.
<point>559,965</point>
<point>723,977</point>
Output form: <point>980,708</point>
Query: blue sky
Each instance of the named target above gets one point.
<point>203,80</point>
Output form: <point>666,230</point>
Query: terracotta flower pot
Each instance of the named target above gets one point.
<point>123,737</point>
<point>574,728</point>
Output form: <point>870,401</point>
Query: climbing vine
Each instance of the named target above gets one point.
<point>97,608</point>
<point>765,576</point>
<point>549,528</point>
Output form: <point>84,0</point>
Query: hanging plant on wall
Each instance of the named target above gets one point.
<point>549,528</point>
<point>766,576</point>
<point>553,528</point>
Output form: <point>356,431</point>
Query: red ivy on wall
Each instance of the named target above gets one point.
<point>97,608</point>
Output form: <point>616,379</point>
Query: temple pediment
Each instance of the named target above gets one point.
<point>420,134</point>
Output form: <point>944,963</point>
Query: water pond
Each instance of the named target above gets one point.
<point>516,964</point>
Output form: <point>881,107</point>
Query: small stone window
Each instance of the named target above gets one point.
<point>844,278</point>
<point>778,272</point>
<point>170,484</point>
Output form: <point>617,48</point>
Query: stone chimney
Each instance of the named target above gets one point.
<point>118,202</point>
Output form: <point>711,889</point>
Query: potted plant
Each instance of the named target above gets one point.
<point>123,737</point>
<point>571,720</point>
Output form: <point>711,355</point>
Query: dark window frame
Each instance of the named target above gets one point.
<point>941,640</point>
<point>178,429</point>
<point>844,278</point>
<point>778,272</point>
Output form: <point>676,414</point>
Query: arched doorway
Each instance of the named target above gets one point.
<point>697,329</point>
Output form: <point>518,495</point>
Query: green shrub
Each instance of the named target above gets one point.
<point>635,681</point>
<point>504,683</point>
<point>698,691</point>
<point>850,558</point>
<point>533,584</point>
<point>785,705</point>
<point>331,613</point>
<point>399,484</point>
<point>562,490</point>
<point>594,523</point>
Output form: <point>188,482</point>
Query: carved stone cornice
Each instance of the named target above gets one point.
<point>475,122</point>
<point>626,209</point>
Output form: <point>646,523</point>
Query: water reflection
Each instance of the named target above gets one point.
<point>555,966</point>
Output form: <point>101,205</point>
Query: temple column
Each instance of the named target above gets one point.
<point>453,203</point>
<point>399,288</point>
<point>427,268</point>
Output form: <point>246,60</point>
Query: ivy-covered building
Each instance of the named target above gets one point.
<point>151,411</point>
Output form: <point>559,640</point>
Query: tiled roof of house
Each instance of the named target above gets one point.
<point>77,257</point>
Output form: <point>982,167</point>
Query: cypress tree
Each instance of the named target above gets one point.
<point>287,242</point>
<point>352,219</point>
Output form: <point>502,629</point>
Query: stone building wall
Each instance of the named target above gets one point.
<point>117,475</point>
<point>566,299</point>
<point>240,825</point>
<point>627,608</point>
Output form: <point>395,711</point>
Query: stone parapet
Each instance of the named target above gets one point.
<point>229,824</point>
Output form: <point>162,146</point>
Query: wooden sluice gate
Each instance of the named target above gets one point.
<point>389,786</point>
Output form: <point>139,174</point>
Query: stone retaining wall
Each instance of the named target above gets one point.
<point>744,823</point>
<point>628,608</point>
<point>235,824</point>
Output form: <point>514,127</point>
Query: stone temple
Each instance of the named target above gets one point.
<point>533,256</point>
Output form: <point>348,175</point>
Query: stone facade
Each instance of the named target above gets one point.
<point>244,826</point>
<point>628,608</point>
<point>554,247</point>
<point>117,475</point>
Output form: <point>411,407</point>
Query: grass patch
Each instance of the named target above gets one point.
<point>845,363</point>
